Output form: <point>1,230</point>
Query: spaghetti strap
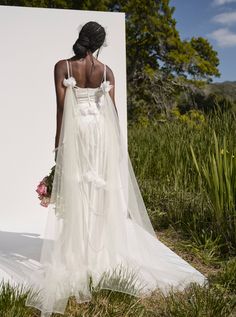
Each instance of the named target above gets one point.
<point>70,64</point>
<point>104,75</point>
<point>68,71</point>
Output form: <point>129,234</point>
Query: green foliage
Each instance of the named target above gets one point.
<point>103,5</point>
<point>198,301</point>
<point>61,4</point>
<point>225,89</point>
<point>218,179</point>
<point>213,300</point>
<point>193,117</point>
<point>158,61</point>
<point>206,60</point>
<point>12,300</point>
<point>172,188</point>
<point>104,303</point>
<point>226,278</point>
<point>211,102</point>
<point>204,245</point>
<point>158,72</point>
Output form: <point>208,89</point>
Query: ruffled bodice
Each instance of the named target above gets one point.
<point>89,100</point>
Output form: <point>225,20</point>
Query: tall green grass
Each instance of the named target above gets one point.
<point>196,301</point>
<point>217,179</point>
<point>187,175</point>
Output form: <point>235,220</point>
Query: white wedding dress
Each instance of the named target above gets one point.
<point>98,232</point>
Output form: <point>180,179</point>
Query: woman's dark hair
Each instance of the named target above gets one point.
<point>91,37</point>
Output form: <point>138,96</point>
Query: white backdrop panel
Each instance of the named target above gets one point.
<point>32,41</point>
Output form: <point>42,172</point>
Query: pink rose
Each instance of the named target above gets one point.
<point>42,189</point>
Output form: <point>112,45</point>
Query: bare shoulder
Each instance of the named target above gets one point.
<point>60,67</point>
<point>110,75</point>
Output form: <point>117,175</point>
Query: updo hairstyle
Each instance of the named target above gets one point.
<point>91,38</point>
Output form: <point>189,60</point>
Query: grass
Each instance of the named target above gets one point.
<point>196,301</point>
<point>217,300</point>
<point>187,177</point>
<point>12,300</point>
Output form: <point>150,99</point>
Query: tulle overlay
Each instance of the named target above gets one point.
<point>98,233</point>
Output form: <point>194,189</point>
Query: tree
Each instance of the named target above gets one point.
<point>159,63</point>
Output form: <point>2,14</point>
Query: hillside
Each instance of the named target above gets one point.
<point>226,89</point>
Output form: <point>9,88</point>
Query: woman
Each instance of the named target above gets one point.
<point>84,64</point>
<point>98,232</point>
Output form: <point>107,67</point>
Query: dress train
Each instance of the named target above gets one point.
<point>98,231</point>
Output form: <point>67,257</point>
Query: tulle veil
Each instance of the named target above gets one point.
<point>85,243</point>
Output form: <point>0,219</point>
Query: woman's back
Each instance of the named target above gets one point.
<point>87,72</point>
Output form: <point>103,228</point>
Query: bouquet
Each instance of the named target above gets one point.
<point>44,189</point>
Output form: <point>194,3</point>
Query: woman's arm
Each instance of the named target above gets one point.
<point>59,75</point>
<point>111,78</point>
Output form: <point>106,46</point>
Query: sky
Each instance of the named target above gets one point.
<point>214,20</point>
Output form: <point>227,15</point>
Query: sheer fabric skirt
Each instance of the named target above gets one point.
<point>98,233</point>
